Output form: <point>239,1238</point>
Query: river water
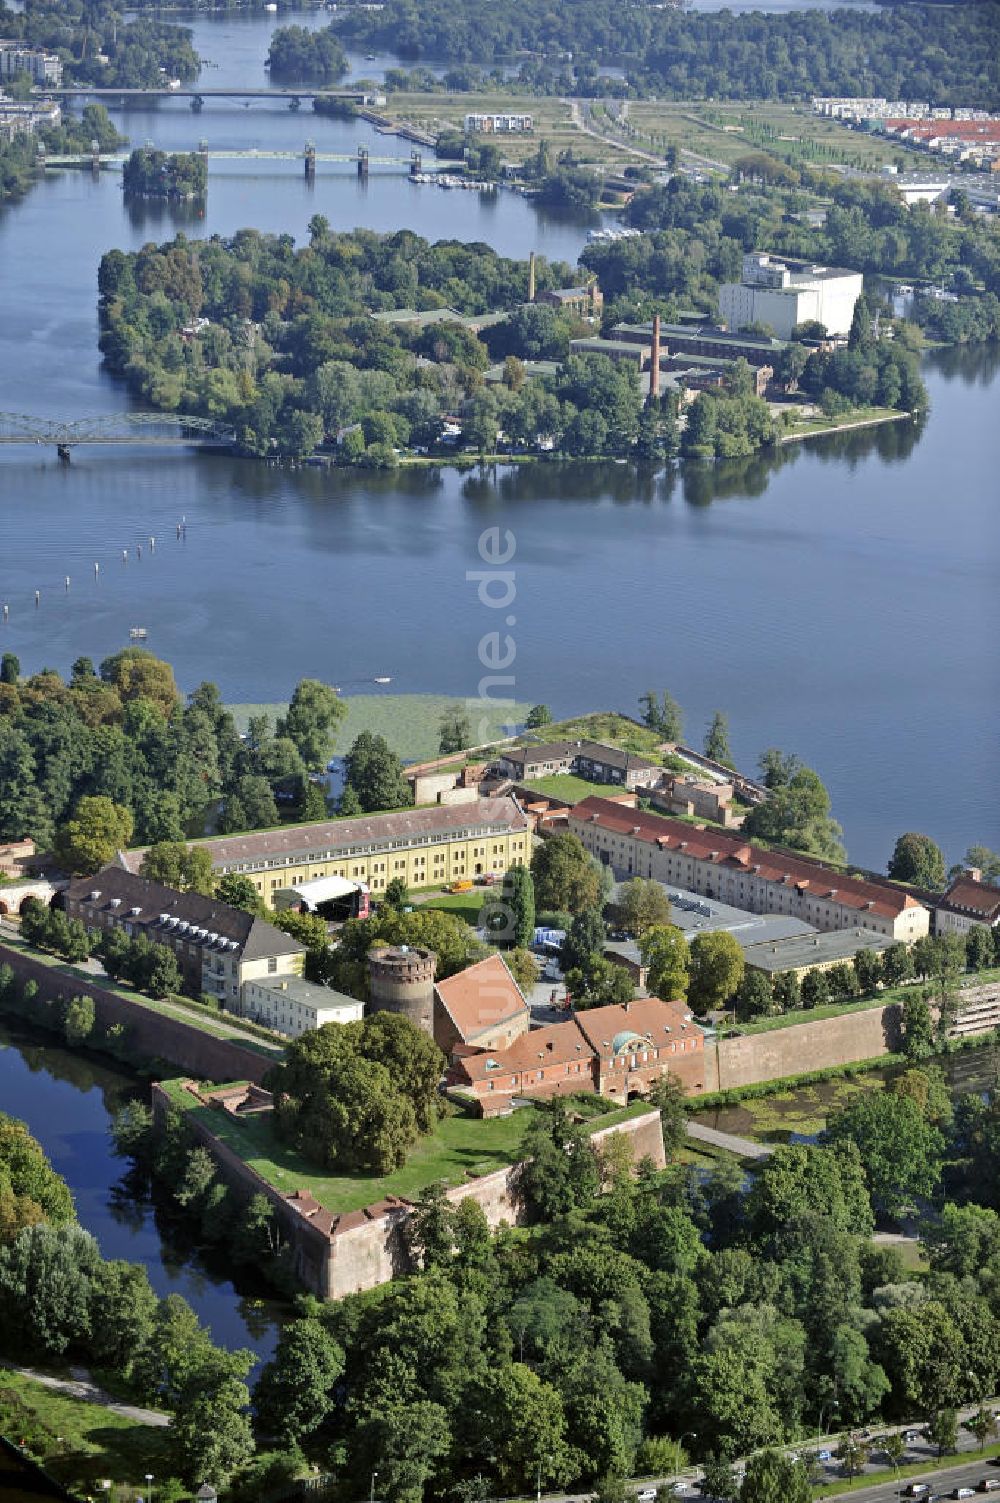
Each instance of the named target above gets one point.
<point>67,1101</point>
<point>826,600</point>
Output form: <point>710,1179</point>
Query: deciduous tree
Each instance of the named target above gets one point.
<point>666,956</point>
<point>642,905</point>
<point>86,842</point>
<point>314,715</point>
<point>717,968</point>
<point>917,859</point>
<point>239,892</point>
<point>376,774</point>
<point>565,876</point>
<point>295,1391</point>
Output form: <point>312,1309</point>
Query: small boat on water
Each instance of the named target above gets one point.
<point>382,680</point>
<point>138,633</point>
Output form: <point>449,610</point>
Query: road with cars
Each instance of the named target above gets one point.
<point>962,1481</point>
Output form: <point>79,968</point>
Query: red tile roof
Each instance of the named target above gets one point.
<point>977,899</point>
<point>649,1018</point>
<point>558,1044</point>
<point>736,853</point>
<point>482,996</point>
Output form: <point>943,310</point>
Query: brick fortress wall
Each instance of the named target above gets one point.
<point>371,1249</point>
<point>150,1034</point>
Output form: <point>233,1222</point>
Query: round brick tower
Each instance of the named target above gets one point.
<point>401,979</point>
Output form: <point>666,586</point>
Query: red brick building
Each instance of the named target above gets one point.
<point>481,1007</point>
<point>618,1052</point>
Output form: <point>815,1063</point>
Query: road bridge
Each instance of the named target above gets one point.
<point>116,160</point>
<point>157,428</point>
<point>89,91</point>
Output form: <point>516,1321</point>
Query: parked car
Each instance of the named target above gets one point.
<point>648,1495</point>
<point>824,1455</point>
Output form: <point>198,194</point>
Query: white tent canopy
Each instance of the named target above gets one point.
<point>324,890</point>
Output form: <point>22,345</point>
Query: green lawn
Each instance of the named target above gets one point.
<point>78,1443</point>
<point>411,723</point>
<point>606,726</point>
<point>461,1147</point>
<point>465,905</point>
<point>858,417</point>
<point>566,785</point>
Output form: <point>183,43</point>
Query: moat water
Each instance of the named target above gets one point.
<point>68,1101</point>
<point>839,600</point>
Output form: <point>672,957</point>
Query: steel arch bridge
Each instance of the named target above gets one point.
<point>116,428</point>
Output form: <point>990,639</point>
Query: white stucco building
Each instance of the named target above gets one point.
<point>291,1005</point>
<point>782,293</point>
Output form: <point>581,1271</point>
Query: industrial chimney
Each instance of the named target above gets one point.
<point>654,360</point>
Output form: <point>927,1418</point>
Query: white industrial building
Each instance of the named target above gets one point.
<point>782,293</point>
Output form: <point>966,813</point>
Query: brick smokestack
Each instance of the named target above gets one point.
<point>654,360</point>
<point>531,277</point>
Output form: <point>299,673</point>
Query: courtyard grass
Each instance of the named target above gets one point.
<point>78,1442</point>
<point>567,786</point>
<point>461,1147</point>
<point>464,905</point>
<point>410,723</point>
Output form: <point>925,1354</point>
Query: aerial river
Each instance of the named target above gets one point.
<point>840,601</point>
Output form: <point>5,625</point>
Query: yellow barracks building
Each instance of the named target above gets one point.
<point>446,843</point>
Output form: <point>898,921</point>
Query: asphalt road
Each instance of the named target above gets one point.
<point>942,1484</point>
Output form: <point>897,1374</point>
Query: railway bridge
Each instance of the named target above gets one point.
<point>116,428</point>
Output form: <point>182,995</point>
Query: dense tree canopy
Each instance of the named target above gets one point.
<point>118,754</point>
<point>910,52</point>
<point>797,814</point>
<point>356,1096</point>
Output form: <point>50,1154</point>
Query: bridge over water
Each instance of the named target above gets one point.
<point>158,428</point>
<point>116,160</point>
<point>88,91</point>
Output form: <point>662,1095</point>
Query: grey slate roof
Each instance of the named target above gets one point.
<point>330,839</point>
<point>162,910</point>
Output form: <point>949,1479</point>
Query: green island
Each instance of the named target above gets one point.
<point>368,371</point>
<point>158,174</point>
<point>374,350</point>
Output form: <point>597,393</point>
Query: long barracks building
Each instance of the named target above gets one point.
<point>725,866</point>
<point>446,843</point>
